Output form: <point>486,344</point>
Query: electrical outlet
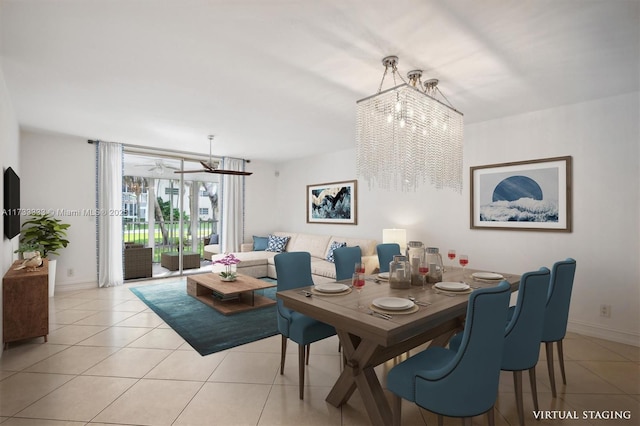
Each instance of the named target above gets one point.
<point>70,272</point>
<point>605,311</point>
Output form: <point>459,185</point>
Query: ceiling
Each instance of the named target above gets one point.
<point>278,80</point>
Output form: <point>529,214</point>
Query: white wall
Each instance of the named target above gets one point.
<point>9,154</point>
<point>58,175</point>
<point>261,209</point>
<point>602,137</point>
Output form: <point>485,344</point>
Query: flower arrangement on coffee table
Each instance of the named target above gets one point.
<point>228,260</point>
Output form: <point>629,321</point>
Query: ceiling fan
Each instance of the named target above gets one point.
<point>211,167</point>
<point>158,166</point>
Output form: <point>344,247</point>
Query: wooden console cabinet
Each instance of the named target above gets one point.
<point>25,303</point>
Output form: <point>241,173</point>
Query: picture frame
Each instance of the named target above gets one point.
<point>333,202</point>
<point>533,195</point>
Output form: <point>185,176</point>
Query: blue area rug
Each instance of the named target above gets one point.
<point>203,327</point>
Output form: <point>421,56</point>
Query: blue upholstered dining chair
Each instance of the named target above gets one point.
<point>557,314</point>
<point>523,334</point>
<point>345,259</point>
<point>462,383</point>
<point>294,271</point>
<point>386,251</point>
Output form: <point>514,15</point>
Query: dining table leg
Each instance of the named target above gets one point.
<point>359,373</point>
<point>443,339</point>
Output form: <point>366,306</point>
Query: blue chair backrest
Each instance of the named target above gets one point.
<point>345,259</point>
<point>524,330</point>
<point>472,375</point>
<point>558,300</point>
<point>294,271</point>
<point>386,252</point>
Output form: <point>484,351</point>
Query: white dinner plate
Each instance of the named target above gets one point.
<point>393,303</point>
<point>487,276</point>
<point>452,286</point>
<point>331,288</point>
<point>383,275</point>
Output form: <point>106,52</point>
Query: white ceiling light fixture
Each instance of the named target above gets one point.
<point>405,136</point>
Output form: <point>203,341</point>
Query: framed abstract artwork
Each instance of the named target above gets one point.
<point>333,202</point>
<point>530,195</point>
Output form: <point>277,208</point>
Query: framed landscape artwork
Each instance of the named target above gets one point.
<point>530,195</point>
<point>333,202</point>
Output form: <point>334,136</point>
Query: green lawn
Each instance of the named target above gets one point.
<point>138,233</point>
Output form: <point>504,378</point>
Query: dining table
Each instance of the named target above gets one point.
<point>370,336</point>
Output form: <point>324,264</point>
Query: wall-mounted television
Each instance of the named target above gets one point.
<point>11,210</point>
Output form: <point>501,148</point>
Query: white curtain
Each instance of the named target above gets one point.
<point>232,229</point>
<point>109,222</point>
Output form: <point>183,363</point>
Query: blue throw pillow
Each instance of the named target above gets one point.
<point>334,245</point>
<point>276,243</point>
<point>260,243</point>
<point>214,239</point>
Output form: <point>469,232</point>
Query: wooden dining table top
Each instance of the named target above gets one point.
<point>342,310</point>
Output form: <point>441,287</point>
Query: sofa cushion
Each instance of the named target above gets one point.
<point>323,268</point>
<point>292,238</point>
<point>367,246</point>
<point>334,245</point>
<point>315,245</point>
<point>277,244</point>
<point>249,258</point>
<point>260,243</point>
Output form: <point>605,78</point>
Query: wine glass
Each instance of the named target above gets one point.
<point>464,261</point>
<point>452,256</point>
<point>423,270</point>
<point>359,268</point>
<point>357,280</point>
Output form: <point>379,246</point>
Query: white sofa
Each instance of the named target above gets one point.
<point>260,264</point>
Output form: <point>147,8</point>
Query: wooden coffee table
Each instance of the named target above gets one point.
<point>229,297</point>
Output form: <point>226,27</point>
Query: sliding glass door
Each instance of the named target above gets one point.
<point>170,216</point>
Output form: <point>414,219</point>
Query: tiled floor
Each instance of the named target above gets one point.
<point>110,360</point>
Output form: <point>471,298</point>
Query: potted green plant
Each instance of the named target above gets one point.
<point>49,234</point>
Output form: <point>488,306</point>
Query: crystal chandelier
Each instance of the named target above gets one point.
<point>405,136</point>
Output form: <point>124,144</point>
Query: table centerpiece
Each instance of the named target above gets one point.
<point>228,261</point>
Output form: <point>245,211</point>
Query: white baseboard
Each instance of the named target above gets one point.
<point>626,337</point>
<point>63,288</point>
